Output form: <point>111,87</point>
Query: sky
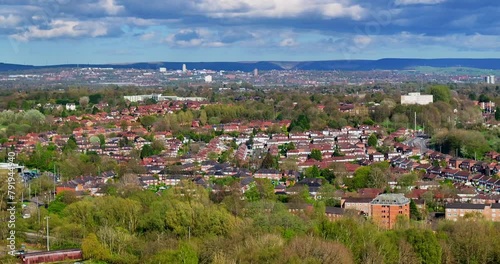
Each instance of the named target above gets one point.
<point>42,32</point>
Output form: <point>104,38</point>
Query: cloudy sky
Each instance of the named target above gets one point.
<point>110,31</point>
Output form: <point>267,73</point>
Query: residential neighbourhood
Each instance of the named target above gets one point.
<point>343,150</point>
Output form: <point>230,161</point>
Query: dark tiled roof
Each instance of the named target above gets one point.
<point>465,206</point>
<point>358,200</point>
<point>334,210</point>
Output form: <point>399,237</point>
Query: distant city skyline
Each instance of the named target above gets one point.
<point>121,31</point>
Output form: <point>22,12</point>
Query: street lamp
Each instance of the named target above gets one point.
<point>47,218</point>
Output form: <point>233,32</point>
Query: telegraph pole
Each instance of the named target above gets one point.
<point>415,122</point>
<point>47,218</point>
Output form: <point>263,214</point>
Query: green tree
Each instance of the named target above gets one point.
<point>146,151</point>
<point>497,113</point>
<point>269,162</point>
<point>70,144</point>
<point>407,180</point>
<point>360,179</point>
<point>425,244</point>
<point>186,254</point>
<point>372,140</point>
<point>203,117</point>
<point>302,123</point>
<point>316,154</point>
<point>414,212</point>
<point>440,93</point>
<point>102,141</point>
<point>34,118</point>
<point>312,172</point>
<point>483,98</point>
<point>262,189</point>
<point>147,121</point>
<point>93,249</point>
<point>157,147</point>
<point>95,98</point>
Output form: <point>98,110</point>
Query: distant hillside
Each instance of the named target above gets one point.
<point>340,65</point>
<point>15,67</point>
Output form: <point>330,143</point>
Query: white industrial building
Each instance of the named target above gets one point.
<point>140,98</point>
<point>490,79</point>
<point>163,69</point>
<point>159,97</point>
<point>417,98</point>
<point>71,107</point>
<point>208,78</point>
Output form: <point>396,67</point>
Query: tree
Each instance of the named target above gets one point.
<point>102,141</point>
<point>372,140</point>
<point>84,101</point>
<point>157,147</point>
<point>269,162</point>
<point>483,98</point>
<point>407,180</point>
<point>360,178</point>
<point>312,172</point>
<point>310,249</point>
<point>93,249</point>
<point>425,244</point>
<point>337,152</point>
<point>377,178</point>
<point>34,118</point>
<point>262,189</point>
<point>203,117</point>
<point>414,212</point>
<point>95,98</point>
<point>185,254</point>
<point>497,113</point>
<point>440,93</point>
<point>302,123</point>
<point>70,144</point>
<point>146,151</point>
<point>147,121</point>
<point>316,154</point>
<point>289,164</point>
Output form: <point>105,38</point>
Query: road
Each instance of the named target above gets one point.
<point>418,142</point>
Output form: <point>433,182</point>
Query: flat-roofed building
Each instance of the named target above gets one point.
<point>455,211</point>
<point>417,98</point>
<point>360,204</point>
<point>388,207</point>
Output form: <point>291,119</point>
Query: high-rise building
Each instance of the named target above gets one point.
<point>490,79</point>
<point>184,68</point>
<point>388,207</point>
<point>255,72</point>
<point>208,78</point>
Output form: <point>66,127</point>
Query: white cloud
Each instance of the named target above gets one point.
<point>362,41</point>
<point>148,36</point>
<point>477,42</point>
<point>8,21</point>
<point>418,2</point>
<point>198,37</point>
<point>333,10</point>
<point>278,8</point>
<point>111,7</point>
<point>63,29</point>
<point>288,42</point>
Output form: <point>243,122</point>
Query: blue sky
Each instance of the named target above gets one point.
<point>114,31</point>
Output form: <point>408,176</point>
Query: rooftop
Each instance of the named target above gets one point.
<point>465,206</point>
<point>391,199</point>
